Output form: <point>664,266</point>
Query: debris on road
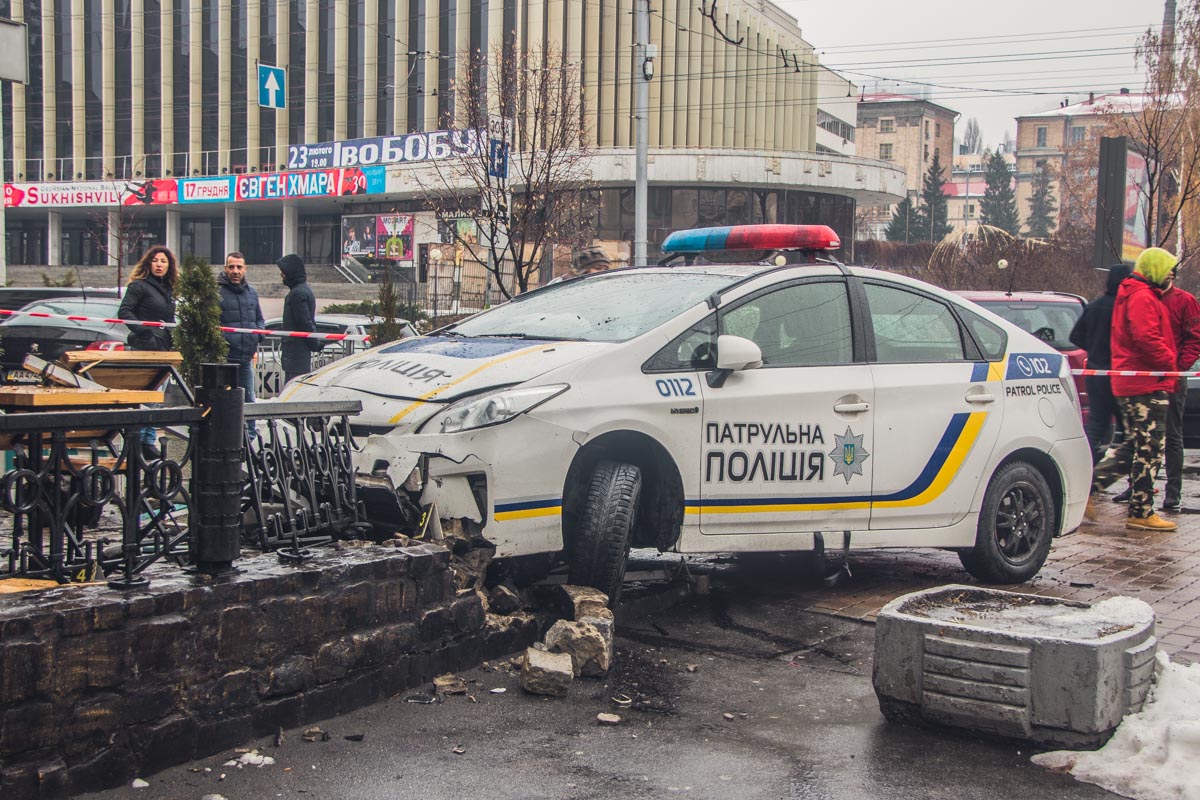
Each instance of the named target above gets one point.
<point>584,601</point>
<point>315,734</point>
<point>590,651</point>
<point>354,737</point>
<point>608,719</point>
<point>256,759</point>
<point>693,667</point>
<point>449,684</point>
<point>547,673</point>
<point>138,783</point>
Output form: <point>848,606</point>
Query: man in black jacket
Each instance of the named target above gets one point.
<point>240,309</point>
<point>1092,333</point>
<point>299,313</point>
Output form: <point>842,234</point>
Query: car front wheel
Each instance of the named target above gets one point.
<point>1016,526</point>
<point>598,550</point>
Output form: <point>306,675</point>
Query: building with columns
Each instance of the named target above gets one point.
<point>145,114</point>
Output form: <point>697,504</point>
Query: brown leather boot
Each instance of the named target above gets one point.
<point>1151,523</point>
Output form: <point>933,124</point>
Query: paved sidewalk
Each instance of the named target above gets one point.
<point>1102,559</point>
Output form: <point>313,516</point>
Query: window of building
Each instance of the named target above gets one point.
<point>1041,136</point>
<point>937,129</point>
<point>887,125</point>
<point>926,152</point>
<point>926,129</point>
<point>885,151</point>
<point>1078,134</point>
<point>970,209</point>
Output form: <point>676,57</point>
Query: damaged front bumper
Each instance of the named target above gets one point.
<point>420,484</point>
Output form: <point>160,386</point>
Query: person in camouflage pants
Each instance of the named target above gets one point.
<point>1138,457</point>
<point>1143,349</point>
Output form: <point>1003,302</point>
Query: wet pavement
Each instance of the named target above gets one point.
<point>759,688</point>
<point>1102,559</point>
<point>733,694</point>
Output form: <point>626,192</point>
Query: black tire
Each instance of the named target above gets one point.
<point>1017,523</point>
<point>598,550</point>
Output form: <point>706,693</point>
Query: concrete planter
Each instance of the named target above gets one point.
<point>1054,672</point>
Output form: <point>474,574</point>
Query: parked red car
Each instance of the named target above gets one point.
<point>1050,316</point>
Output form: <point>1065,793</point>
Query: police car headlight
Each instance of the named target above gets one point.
<point>494,408</point>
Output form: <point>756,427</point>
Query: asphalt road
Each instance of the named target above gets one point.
<point>778,704</point>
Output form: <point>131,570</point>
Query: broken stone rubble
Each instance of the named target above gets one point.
<point>585,637</point>
<point>547,673</point>
<point>590,651</point>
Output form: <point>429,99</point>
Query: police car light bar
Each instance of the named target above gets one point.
<point>753,237</point>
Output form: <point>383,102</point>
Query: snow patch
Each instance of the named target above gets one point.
<point>1155,753</point>
<point>1037,616</point>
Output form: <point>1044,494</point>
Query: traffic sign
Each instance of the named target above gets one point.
<point>272,87</point>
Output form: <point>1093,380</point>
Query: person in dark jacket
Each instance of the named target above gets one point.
<point>240,309</point>
<point>1142,342</point>
<point>1184,311</point>
<point>150,297</point>
<point>1091,334</point>
<point>299,314</point>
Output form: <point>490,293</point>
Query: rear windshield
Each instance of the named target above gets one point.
<point>1050,322</point>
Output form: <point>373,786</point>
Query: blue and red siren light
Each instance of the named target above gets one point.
<point>753,237</point>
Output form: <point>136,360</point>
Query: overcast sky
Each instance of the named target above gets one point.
<point>1017,57</point>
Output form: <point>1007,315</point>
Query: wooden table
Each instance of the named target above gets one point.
<point>44,398</point>
<point>125,369</point>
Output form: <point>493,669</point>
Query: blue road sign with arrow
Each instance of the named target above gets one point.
<point>272,87</point>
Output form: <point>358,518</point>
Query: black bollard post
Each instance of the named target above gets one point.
<point>216,523</point>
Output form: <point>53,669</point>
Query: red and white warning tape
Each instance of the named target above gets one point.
<point>1130,373</point>
<point>331,337</point>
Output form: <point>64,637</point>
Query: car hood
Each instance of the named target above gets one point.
<point>410,380</point>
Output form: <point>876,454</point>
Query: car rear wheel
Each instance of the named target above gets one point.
<point>598,550</point>
<point>1016,526</point>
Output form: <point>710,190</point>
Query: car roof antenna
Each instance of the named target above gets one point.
<point>82,288</point>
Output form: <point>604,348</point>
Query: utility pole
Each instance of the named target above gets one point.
<point>645,53</point>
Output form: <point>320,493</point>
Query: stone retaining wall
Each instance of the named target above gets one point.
<point>98,687</point>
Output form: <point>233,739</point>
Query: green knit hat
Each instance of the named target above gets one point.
<point>1156,264</point>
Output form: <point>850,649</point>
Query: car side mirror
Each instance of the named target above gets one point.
<point>734,354</point>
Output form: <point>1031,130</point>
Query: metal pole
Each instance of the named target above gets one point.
<point>3,229</point>
<point>642,116</point>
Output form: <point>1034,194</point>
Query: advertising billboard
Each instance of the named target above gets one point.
<point>387,237</point>
<point>394,237</point>
<point>410,148</point>
<point>1136,234</point>
<point>310,183</point>
<point>91,193</point>
<point>358,236</point>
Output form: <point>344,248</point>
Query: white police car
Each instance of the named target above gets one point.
<point>725,408</point>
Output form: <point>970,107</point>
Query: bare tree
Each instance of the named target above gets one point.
<point>116,232</point>
<point>1165,125</point>
<point>972,140</point>
<point>528,183</point>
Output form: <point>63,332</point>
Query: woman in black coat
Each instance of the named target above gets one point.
<point>151,298</point>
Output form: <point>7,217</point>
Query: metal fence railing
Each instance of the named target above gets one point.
<point>82,499</point>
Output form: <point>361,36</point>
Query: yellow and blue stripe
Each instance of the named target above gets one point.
<point>528,509</point>
<point>943,464</point>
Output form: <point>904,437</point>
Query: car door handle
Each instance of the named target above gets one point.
<point>851,408</point>
<point>981,397</point>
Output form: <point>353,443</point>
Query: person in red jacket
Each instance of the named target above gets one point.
<point>1184,311</point>
<point>1142,341</point>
